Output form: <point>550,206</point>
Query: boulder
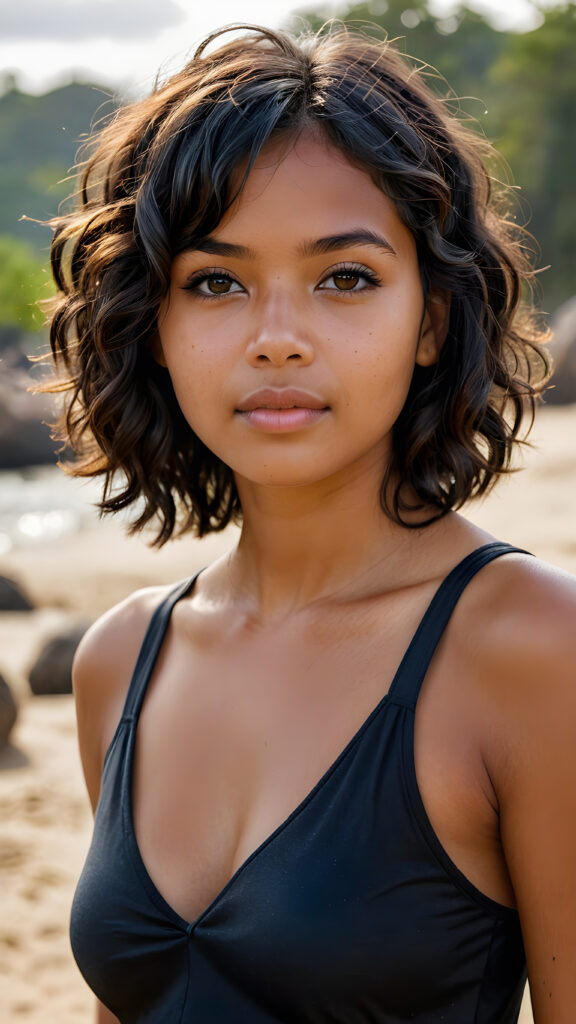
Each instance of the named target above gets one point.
<point>52,670</point>
<point>563,349</point>
<point>8,711</point>
<point>24,436</point>
<point>12,597</point>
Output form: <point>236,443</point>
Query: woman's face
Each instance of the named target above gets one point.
<point>292,331</point>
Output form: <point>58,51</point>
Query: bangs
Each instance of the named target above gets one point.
<point>190,177</point>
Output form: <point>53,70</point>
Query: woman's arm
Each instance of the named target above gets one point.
<point>102,669</point>
<point>532,763</point>
<point>103,1016</point>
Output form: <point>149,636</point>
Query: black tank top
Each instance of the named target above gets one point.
<point>350,912</point>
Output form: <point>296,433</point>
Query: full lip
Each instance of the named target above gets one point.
<point>281,398</point>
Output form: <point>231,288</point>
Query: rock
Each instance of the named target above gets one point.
<point>24,437</point>
<point>52,670</point>
<point>563,349</point>
<point>8,711</point>
<point>12,597</point>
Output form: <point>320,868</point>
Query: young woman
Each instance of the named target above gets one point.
<point>334,773</point>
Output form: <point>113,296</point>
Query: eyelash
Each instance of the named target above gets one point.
<point>354,269</point>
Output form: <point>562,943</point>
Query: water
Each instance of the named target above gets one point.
<point>38,505</point>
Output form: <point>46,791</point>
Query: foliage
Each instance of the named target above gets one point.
<point>39,139</point>
<point>23,282</point>
<point>535,78</point>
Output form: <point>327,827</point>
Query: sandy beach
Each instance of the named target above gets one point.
<point>44,817</point>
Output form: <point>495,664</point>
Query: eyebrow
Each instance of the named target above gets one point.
<point>315,247</point>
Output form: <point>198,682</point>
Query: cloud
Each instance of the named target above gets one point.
<point>83,20</point>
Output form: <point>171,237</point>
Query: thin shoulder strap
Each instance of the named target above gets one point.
<point>151,646</point>
<point>414,665</point>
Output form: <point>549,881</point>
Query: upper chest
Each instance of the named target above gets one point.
<point>235,734</point>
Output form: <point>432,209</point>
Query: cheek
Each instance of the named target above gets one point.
<point>385,354</point>
<point>378,377</point>
<point>194,379</point>
<point>189,361</point>
<point>197,381</point>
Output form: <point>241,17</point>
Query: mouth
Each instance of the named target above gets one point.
<point>277,411</point>
<point>281,399</point>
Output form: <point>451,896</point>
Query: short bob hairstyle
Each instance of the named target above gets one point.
<point>160,174</point>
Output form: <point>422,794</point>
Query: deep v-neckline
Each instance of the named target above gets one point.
<point>394,696</point>
<point>150,885</point>
<point>128,795</point>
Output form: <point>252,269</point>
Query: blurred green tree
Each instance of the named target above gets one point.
<point>39,140</point>
<point>23,281</point>
<point>533,125</point>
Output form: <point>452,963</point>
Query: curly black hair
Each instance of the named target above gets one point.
<point>161,172</point>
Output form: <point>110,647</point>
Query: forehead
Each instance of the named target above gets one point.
<point>308,186</point>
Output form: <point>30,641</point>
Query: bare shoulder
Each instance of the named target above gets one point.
<point>113,641</point>
<point>101,673</point>
<point>517,645</point>
<point>523,618</point>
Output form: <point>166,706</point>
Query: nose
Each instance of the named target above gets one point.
<point>278,333</point>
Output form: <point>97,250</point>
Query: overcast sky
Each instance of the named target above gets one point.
<point>125,42</point>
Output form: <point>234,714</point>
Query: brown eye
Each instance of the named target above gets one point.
<point>351,279</point>
<point>210,286</point>
<point>218,285</point>
<point>345,280</point>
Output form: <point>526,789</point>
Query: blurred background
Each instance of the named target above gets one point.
<point>64,66</point>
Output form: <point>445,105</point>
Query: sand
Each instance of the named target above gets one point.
<point>44,818</point>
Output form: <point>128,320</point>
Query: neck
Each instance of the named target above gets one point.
<point>302,545</point>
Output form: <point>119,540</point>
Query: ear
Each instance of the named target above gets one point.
<point>155,348</point>
<point>434,327</point>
